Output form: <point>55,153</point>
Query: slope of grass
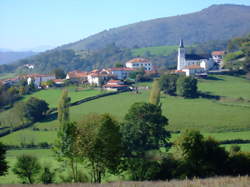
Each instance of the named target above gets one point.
<point>158,50</point>
<point>224,85</point>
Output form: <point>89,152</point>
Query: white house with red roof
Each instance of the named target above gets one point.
<point>77,76</point>
<point>218,56</point>
<point>138,63</point>
<point>115,85</point>
<point>121,73</point>
<point>95,77</point>
<point>37,79</point>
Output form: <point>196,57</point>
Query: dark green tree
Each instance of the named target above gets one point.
<point>201,157</point>
<point>3,163</point>
<point>168,83</point>
<point>186,87</point>
<point>59,73</point>
<point>143,130</point>
<point>27,168</point>
<point>100,144</point>
<point>47,176</point>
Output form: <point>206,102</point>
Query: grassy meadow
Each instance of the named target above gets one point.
<point>159,50</point>
<point>225,119</point>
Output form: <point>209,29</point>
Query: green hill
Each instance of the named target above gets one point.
<point>217,22</point>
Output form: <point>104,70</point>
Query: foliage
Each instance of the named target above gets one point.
<point>59,73</point>
<point>143,130</point>
<point>66,147</point>
<point>186,87</point>
<point>99,143</point>
<point>201,157</point>
<point>47,176</point>
<point>3,163</point>
<point>63,107</point>
<point>155,93</point>
<point>168,83</point>
<point>27,168</point>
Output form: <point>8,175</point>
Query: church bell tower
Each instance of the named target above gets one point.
<point>181,56</point>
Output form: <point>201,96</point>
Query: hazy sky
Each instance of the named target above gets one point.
<point>27,24</point>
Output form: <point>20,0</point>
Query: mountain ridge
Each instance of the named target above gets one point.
<point>224,21</point>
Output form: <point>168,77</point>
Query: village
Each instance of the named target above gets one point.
<point>114,78</point>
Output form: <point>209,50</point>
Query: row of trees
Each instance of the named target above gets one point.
<point>179,85</point>
<point>9,94</point>
<point>104,145</point>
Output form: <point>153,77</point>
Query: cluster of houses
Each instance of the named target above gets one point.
<point>111,78</point>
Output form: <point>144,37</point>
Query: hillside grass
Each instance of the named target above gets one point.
<point>158,50</point>
<point>211,117</point>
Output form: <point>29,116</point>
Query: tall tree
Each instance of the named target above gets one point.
<point>100,144</point>
<point>168,83</point>
<point>3,163</point>
<point>186,87</point>
<point>155,93</point>
<point>143,130</point>
<point>27,168</point>
<point>63,107</point>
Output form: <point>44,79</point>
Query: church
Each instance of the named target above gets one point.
<point>193,64</point>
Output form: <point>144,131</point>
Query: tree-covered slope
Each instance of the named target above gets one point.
<point>218,22</point>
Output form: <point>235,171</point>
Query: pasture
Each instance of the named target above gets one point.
<point>226,119</point>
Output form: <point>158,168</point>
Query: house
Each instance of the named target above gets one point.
<point>115,85</point>
<point>138,63</point>
<point>10,81</point>
<point>193,70</point>
<point>58,82</point>
<point>121,73</point>
<point>37,79</point>
<point>77,76</point>
<point>97,77</point>
<point>193,64</point>
<point>218,57</point>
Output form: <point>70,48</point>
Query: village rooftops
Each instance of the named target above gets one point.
<point>138,60</point>
<point>77,74</point>
<point>218,53</point>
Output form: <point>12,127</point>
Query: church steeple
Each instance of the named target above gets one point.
<point>181,56</point>
<point>181,43</point>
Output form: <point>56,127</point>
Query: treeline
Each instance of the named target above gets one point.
<point>238,56</point>
<point>11,93</point>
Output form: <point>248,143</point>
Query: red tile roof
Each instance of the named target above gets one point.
<point>193,67</point>
<point>77,74</point>
<point>58,80</point>
<point>122,69</point>
<point>114,86</point>
<point>218,53</point>
<point>136,60</point>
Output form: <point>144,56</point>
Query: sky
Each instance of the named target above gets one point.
<point>29,24</point>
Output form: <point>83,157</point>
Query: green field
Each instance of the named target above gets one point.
<point>52,96</point>
<point>159,50</point>
<point>223,120</point>
<point>46,157</point>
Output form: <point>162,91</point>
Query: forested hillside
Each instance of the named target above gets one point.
<point>218,22</point>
